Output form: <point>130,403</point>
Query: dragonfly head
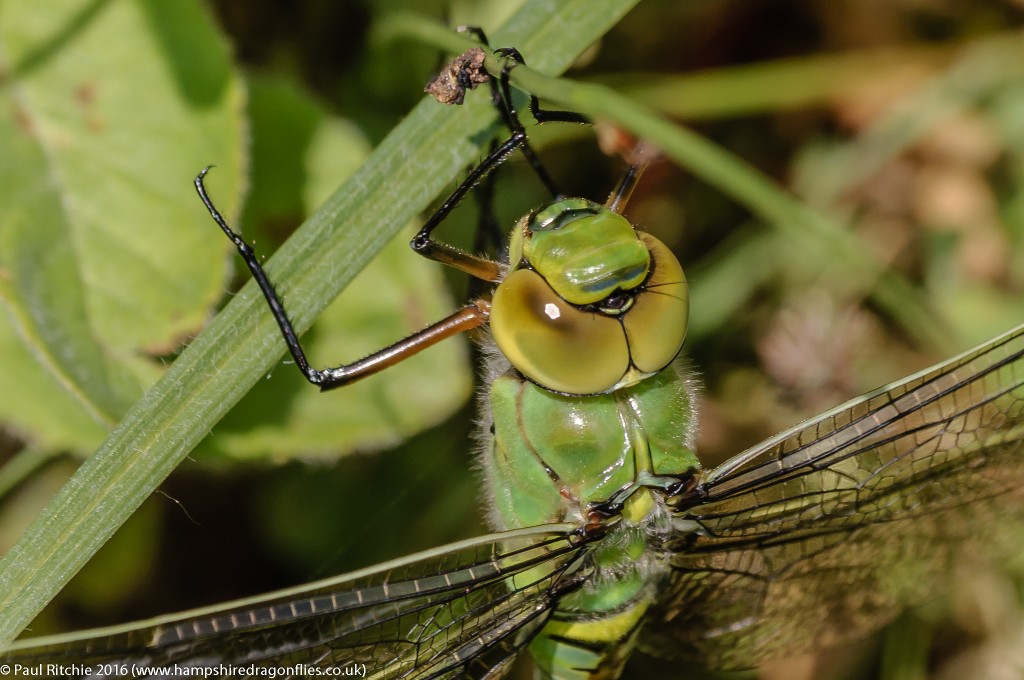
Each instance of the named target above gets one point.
<point>591,304</point>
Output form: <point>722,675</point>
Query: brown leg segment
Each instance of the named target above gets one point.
<point>469,317</point>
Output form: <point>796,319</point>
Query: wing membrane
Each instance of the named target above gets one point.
<point>826,531</point>
<point>460,611</point>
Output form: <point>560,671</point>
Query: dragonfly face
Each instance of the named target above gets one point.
<point>811,538</point>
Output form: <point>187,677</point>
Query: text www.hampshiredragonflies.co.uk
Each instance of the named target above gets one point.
<point>18,670</point>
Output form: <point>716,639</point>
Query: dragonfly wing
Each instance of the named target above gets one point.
<point>465,610</point>
<point>825,532</point>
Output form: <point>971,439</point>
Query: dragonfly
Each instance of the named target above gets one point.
<point>610,535</point>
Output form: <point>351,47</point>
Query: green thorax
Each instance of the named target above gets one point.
<point>553,454</point>
<point>584,251</point>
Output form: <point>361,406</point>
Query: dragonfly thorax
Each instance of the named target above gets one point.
<point>590,305</point>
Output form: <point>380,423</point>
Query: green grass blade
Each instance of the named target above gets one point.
<point>417,161</point>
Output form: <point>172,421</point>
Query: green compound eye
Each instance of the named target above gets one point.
<point>553,343</point>
<point>656,324</point>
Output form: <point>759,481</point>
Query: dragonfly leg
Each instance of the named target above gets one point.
<point>513,59</point>
<point>488,236</point>
<point>501,95</point>
<point>476,32</point>
<point>670,485</point>
<point>473,314</point>
<point>438,251</point>
<point>479,267</point>
<point>502,100</point>
<point>422,243</point>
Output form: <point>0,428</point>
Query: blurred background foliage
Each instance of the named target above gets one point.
<point>902,120</point>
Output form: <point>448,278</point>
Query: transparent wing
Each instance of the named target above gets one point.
<point>826,531</point>
<point>464,610</point>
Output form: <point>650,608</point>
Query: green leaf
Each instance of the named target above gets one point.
<point>416,162</point>
<point>108,109</point>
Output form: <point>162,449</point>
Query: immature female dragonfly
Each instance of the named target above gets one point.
<point>613,537</point>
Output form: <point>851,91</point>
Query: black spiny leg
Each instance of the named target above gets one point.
<point>473,314</point>
<point>488,237</point>
<point>470,316</point>
<point>502,100</point>
<point>501,94</point>
<point>541,115</point>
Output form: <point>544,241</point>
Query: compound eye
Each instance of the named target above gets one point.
<point>553,343</point>
<point>656,325</point>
